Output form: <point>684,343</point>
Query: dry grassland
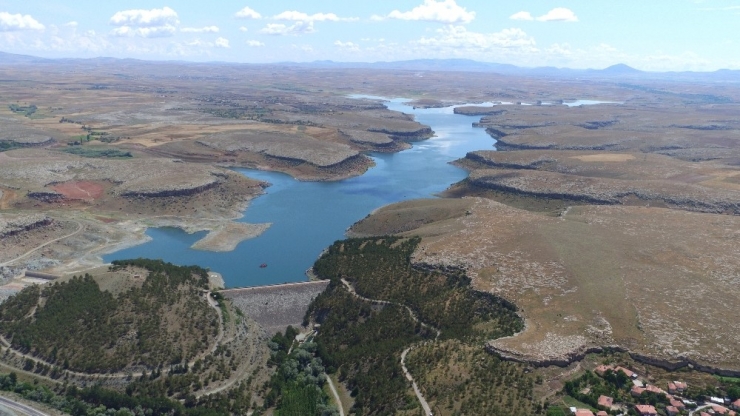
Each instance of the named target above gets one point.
<point>656,281</point>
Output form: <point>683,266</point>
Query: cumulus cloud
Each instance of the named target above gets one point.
<point>243,29</point>
<point>349,46</point>
<point>218,43</point>
<point>443,11</point>
<point>204,29</point>
<point>559,14</point>
<point>248,13</point>
<point>255,43</point>
<point>222,43</point>
<point>150,23</point>
<point>457,39</point>
<point>14,22</point>
<point>296,16</point>
<point>521,16</point>
<point>279,29</point>
<point>71,24</point>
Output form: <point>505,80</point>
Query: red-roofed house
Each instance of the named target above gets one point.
<point>654,389</point>
<point>736,404</point>
<point>584,412</point>
<point>720,410</point>
<point>677,404</point>
<point>602,413</point>
<point>704,414</point>
<point>628,373</point>
<point>671,410</point>
<point>606,401</point>
<point>677,387</point>
<point>646,410</point>
<point>637,391</point>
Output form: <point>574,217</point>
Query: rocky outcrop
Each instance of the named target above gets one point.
<point>14,226</point>
<point>601,191</point>
<point>595,125</point>
<point>482,158</point>
<point>479,111</point>
<point>178,191</point>
<point>581,353</point>
<point>417,134</point>
<point>46,196</point>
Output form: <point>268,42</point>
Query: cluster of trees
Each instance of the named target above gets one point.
<point>464,379</point>
<point>97,401</point>
<point>9,145</point>
<point>296,387</point>
<point>380,268</point>
<point>363,342</point>
<point>98,153</point>
<point>74,325</point>
<point>588,387</point>
<point>27,111</point>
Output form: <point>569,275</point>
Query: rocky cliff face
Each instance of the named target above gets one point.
<point>17,225</point>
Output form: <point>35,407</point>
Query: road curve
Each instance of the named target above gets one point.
<point>424,404</point>
<point>20,407</point>
<point>422,400</point>
<point>28,253</point>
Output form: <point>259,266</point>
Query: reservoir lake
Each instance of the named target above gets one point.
<point>307,217</point>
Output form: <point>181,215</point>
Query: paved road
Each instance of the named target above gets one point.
<point>20,407</point>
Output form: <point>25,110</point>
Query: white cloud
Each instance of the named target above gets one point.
<point>559,14</point>
<point>521,16</point>
<point>152,23</point>
<point>460,37</point>
<point>279,29</point>
<point>13,22</point>
<point>349,46</point>
<point>145,18</point>
<point>248,13</point>
<point>255,43</point>
<point>243,29</point>
<point>204,29</point>
<point>458,41</point>
<point>144,32</point>
<point>71,24</point>
<point>296,16</point>
<point>443,11</point>
<point>222,43</point>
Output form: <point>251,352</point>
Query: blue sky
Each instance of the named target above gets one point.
<point>647,34</point>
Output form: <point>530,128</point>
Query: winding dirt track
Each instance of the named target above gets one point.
<point>33,250</point>
<point>336,395</point>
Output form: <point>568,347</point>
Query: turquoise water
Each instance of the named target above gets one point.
<point>306,217</point>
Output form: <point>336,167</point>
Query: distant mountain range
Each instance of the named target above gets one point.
<point>618,71</point>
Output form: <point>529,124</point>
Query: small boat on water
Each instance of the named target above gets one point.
<point>263,265</point>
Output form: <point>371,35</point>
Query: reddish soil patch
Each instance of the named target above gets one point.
<point>80,190</point>
<point>105,219</point>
